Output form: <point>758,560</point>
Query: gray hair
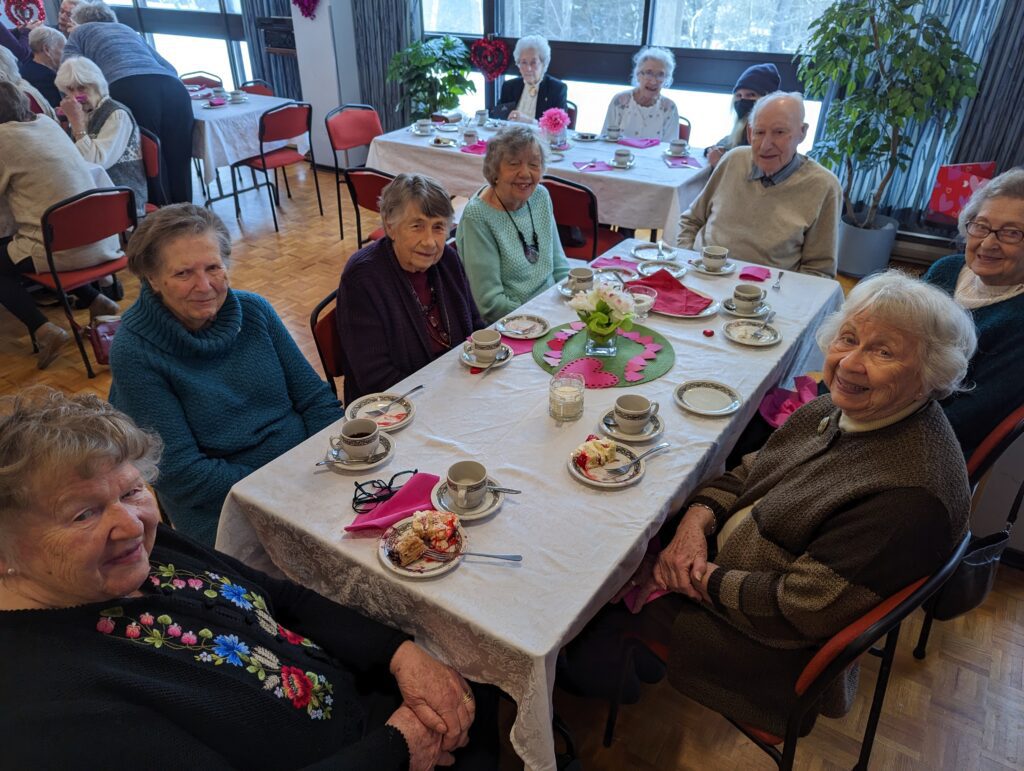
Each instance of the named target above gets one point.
<point>662,55</point>
<point>14,104</point>
<point>778,96</point>
<point>96,10</point>
<point>9,66</point>
<point>533,43</point>
<point>164,226</point>
<point>426,192</point>
<point>510,140</point>
<point>44,432</point>
<point>944,331</point>
<point>83,73</point>
<point>1009,184</point>
<point>46,39</point>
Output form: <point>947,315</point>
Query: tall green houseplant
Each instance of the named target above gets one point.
<point>889,67</point>
<point>433,74</point>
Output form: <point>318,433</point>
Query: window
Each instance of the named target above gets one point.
<point>209,6</point>
<point>463,17</point>
<point>188,54</point>
<point>470,103</point>
<point>581,21</point>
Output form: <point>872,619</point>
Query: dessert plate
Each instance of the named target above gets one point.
<point>730,307</point>
<point>469,360</point>
<point>655,427</point>
<point>598,477</point>
<point>742,332</point>
<point>424,567</point>
<point>651,267</point>
<point>710,310</point>
<point>650,252</point>
<point>611,275</point>
<point>387,446</point>
<point>443,142</point>
<point>622,166</point>
<point>729,267</point>
<point>523,326</point>
<point>441,498</point>
<point>707,397</point>
<point>448,128</point>
<point>399,416</point>
<point>585,136</point>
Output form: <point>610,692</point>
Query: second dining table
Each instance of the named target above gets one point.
<point>504,622</point>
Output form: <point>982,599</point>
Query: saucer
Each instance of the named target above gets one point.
<point>523,326</point>
<point>586,137</point>
<point>650,252</point>
<point>427,133</point>
<point>623,166</point>
<point>598,477</point>
<point>442,499</point>
<point>443,142</point>
<point>730,307</point>
<point>209,106</point>
<point>555,156</point>
<point>399,416</point>
<point>621,272</point>
<point>492,124</point>
<point>606,138</point>
<point>610,275</point>
<point>698,265</point>
<point>707,397</point>
<point>387,444</point>
<point>742,332</point>
<point>448,128</point>
<point>469,360</point>
<point>653,266</point>
<point>655,427</point>
<point>670,154</point>
<point>423,567</point>
<point>239,100</point>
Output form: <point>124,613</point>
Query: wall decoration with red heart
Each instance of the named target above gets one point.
<point>306,7</point>
<point>23,12</point>
<point>490,56</point>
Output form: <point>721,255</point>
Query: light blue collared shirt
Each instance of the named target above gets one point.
<point>779,176</point>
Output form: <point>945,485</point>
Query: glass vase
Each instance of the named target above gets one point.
<point>558,141</point>
<point>602,345</point>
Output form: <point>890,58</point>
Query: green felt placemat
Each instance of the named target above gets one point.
<point>575,345</point>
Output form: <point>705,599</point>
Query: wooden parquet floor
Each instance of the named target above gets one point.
<point>962,708</point>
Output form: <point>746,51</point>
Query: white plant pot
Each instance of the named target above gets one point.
<point>862,252</point>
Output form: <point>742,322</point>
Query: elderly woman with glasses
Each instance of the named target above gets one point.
<point>403,300</point>
<point>507,236</point>
<point>642,111</point>
<point>527,97</point>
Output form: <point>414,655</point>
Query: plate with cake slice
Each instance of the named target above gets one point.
<point>589,462</point>
<point>405,547</point>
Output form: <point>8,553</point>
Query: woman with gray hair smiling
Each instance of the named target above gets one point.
<point>403,300</point>
<point>642,111</point>
<point>527,97</point>
<point>507,236</point>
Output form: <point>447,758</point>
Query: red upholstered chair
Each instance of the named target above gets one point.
<point>257,86</point>
<point>575,205</point>
<point>279,124</point>
<point>151,162</point>
<point>570,107</point>
<point>325,334</point>
<point>365,186</point>
<point>79,221</point>
<point>202,79</point>
<point>33,105</point>
<point>684,128</point>
<point>831,660</point>
<point>348,127</point>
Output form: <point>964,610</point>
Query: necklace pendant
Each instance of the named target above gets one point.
<point>533,91</point>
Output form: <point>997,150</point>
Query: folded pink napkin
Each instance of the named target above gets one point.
<point>639,142</point>
<point>477,148</point>
<point>414,496</point>
<point>779,403</point>
<point>755,273</point>
<point>217,101</point>
<point>614,262</point>
<point>673,297</point>
<point>518,346</point>
<point>599,166</point>
<point>632,598</point>
<point>683,162</point>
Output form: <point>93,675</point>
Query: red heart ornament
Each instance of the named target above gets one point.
<point>22,12</point>
<point>490,56</point>
<point>593,372</point>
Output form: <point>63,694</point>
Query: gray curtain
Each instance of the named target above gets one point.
<point>382,28</point>
<point>281,72</point>
<point>970,24</point>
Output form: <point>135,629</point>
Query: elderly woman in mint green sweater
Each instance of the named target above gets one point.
<point>507,236</point>
<point>213,371</point>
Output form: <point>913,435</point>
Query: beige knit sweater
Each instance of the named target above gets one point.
<point>793,225</point>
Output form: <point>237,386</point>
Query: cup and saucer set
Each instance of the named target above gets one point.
<point>714,261</point>
<point>634,418</point>
<point>485,350</point>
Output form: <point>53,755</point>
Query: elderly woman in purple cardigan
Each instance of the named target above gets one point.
<point>403,300</point>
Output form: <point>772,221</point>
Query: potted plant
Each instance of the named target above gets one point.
<point>890,70</point>
<point>433,74</point>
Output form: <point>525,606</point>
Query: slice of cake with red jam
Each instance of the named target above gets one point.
<point>593,453</point>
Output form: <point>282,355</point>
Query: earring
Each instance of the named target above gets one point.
<point>11,572</point>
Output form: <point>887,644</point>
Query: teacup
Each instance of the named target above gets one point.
<point>714,257</point>
<point>580,279</point>
<point>481,117</point>
<point>677,146</point>
<point>469,136</point>
<point>613,132</point>
<point>467,483</point>
<point>485,343</point>
<point>423,125</point>
<point>358,439</point>
<point>747,298</point>
<point>218,91</point>
<point>237,96</point>
<point>633,412</point>
<point>623,157</point>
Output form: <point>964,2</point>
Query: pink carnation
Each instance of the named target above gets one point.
<point>146,619</point>
<point>133,631</point>
<point>105,625</point>
<point>174,630</point>
<point>554,120</point>
<point>189,638</point>
<point>195,583</point>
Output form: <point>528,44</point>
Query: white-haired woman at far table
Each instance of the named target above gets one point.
<point>643,111</point>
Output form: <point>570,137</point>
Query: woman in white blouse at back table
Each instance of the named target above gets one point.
<point>642,111</point>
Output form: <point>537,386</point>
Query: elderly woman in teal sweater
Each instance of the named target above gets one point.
<point>507,236</point>
<point>213,371</point>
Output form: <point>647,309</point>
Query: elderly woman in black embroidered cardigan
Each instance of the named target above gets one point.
<point>403,300</point>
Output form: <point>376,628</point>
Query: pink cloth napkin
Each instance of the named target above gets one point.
<point>599,166</point>
<point>755,273</point>
<point>639,142</point>
<point>779,403</point>
<point>673,297</point>
<point>683,162</point>
<point>477,148</point>
<point>614,262</point>
<point>414,496</point>
<point>217,101</point>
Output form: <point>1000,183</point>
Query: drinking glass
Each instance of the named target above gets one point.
<point>565,397</point>
<point>643,300</point>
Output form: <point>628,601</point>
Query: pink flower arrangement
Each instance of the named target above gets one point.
<point>554,121</point>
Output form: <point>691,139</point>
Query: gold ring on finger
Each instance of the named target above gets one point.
<point>467,697</point>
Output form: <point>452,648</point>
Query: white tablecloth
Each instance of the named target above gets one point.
<point>649,195</point>
<point>503,623</point>
<point>223,135</point>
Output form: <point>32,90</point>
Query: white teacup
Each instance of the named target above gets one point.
<point>218,91</point>
<point>713,258</point>
<point>580,279</point>
<point>747,298</point>
<point>469,136</point>
<point>480,116</point>
<point>633,412</point>
<point>358,439</point>
<point>613,132</point>
<point>623,157</point>
<point>423,125</point>
<point>486,343</point>
<point>467,483</point>
<point>677,146</point>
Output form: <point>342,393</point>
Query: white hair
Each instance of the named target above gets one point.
<point>944,332</point>
<point>94,10</point>
<point>778,96</point>
<point>46,39</point>
<point>81,72</point>
<point>533,43</point>
<point>662,55</point>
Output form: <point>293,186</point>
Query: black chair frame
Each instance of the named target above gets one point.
<point>339,172</point>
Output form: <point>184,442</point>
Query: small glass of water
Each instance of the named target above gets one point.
<point>643,300</point>
<point>565,397</point>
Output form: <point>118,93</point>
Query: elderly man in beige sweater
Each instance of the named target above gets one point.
<point>766,203</point>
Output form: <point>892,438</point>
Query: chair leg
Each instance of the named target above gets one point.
<point>341,222</point>
<point>922,640</point>
<point>625,667</point>
<point>277,189</point>
<point>76,331</point>
<point>220,188</point>
<point>202,182</point>
<point>284,173</point>
<point>271,189</point>
<point>881,684</point>
<point>234,194</point>
<point>316,183</point>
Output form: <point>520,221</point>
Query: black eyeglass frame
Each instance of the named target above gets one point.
<point>997,231</point>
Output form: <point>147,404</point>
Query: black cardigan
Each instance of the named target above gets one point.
<point>550,93</point>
